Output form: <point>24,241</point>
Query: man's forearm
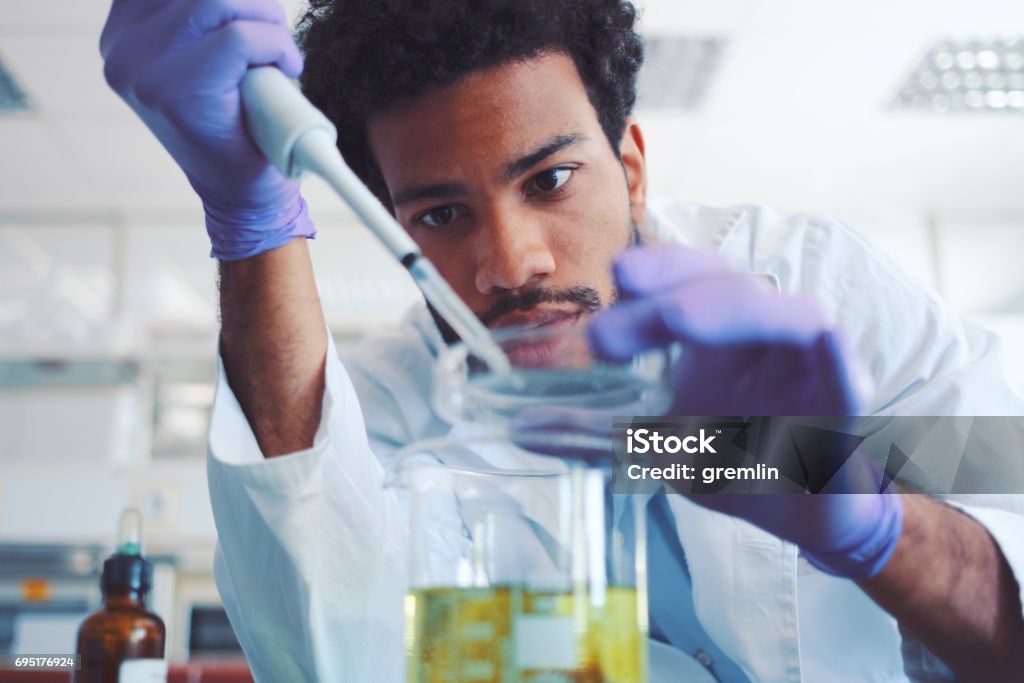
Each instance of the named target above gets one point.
<point>949,586</point>
<point>273,342</point>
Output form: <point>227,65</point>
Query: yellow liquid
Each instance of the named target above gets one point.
<point>510,634</point>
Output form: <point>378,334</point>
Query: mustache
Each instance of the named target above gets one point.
<point>585,297</point>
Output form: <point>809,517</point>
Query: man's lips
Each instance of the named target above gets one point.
<point>541,338</point>
<point>539,318</point>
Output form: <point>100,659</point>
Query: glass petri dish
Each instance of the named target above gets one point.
<point>551,367</point>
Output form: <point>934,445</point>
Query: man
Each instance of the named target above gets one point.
<point>500,135</point>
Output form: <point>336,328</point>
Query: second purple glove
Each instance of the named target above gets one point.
<point>750,351</point>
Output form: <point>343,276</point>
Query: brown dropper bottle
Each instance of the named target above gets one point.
<point>123,630</point>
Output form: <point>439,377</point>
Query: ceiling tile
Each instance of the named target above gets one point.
<point>53,16</point>
<point>128,167</point>
<point>794,116</point>
<point>692,16</point>
<point>63,76</point>
<point>37,172</point>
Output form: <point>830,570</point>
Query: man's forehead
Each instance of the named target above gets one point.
<point>497,115</point>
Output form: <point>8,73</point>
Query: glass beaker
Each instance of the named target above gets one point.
<point>522,567</point>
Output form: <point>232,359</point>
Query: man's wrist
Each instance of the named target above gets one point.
<point>236,236</point>
<point>869,555</point>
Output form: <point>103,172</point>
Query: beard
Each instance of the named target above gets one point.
<point>587,298</point>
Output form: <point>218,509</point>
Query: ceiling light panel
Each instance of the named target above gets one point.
<point>967,76</point>
<point>677,71</point>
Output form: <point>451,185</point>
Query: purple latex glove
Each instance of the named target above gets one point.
<point>178,64</point>
<point>749,351</point>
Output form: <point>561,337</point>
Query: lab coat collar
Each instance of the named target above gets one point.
<point>700,227</point>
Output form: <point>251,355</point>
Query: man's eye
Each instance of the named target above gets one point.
<point>552,179</point>
<point>442,215</point>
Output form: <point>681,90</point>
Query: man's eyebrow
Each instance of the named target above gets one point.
<point>514,169</point>
<point>524,163</point>
<point>415,193</point>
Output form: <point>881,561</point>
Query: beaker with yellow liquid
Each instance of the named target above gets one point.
<point>522,568</point>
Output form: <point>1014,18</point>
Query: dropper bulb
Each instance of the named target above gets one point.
<point>129,535</point>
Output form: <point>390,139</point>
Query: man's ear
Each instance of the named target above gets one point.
<point>631,151</point>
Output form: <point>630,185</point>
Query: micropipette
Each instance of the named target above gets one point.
<point>296,137</point>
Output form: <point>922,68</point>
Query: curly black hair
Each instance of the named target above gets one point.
<point>369,56</point>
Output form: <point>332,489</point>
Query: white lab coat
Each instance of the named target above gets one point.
<point>309,562</point>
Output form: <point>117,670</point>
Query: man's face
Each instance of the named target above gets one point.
<point>508,184</point>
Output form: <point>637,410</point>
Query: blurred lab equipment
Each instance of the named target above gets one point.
<point>45,591</point>
<point>123,641</point>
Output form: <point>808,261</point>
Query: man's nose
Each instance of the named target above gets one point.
<point>511,252</point>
